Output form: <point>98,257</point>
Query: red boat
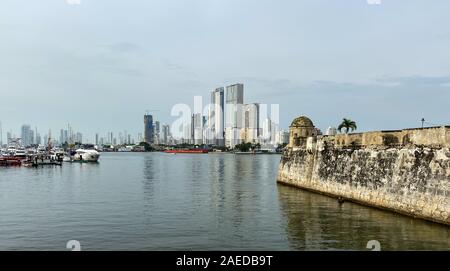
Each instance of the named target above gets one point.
<point>187,151</point>
<point>10,161</point>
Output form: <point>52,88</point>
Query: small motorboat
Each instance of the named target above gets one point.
<point>83,155</point>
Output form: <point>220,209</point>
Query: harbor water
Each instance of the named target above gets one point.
<point>158,201</point>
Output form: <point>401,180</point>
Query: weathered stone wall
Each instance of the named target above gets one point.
<point>413,180</point>
<point>432,136</point>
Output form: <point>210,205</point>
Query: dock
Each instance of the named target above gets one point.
<point>43,160</point>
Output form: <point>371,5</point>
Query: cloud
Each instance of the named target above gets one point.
<point>416,80</point>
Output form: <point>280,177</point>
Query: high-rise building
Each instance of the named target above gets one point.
<point>157,132</point>
<point>148,129</point>
<point>66,136</point>
<point>38,140</point>
<point>197,129</point>
<point>79,138</point>
<point>187,133</point>
<point>216,125</point>
<point>266,131</point>
<point>233,119</point>
<point>8,137</point>
<point>61,137</point>
<point>46,140</point>
<point>26,135</point>
<point>112,139</point>
<point>165,134</point>
<point>121,139</point>
<point>282,137</point>
<point>251,131</point>
<point>96,139</point>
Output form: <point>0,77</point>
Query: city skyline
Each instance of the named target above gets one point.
<point>222,122</point>
<point>67,66</point>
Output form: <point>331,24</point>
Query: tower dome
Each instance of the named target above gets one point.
<point>302,121</point>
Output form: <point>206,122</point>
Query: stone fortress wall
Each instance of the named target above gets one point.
<point>433,137</point>
<point>406,171</point>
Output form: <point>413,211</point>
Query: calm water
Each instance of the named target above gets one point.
<point>156,201</point>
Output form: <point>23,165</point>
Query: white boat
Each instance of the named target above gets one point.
<point>57,155</point>
<point>83,155</point>
<point>20,153</point>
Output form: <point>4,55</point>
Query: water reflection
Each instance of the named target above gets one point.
<point>316,222</point>
<point>149,168</point>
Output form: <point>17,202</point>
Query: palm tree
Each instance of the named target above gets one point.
<point>348,125</point>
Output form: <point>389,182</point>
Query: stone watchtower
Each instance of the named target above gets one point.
<point>299,131</point>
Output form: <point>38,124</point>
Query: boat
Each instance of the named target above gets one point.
<point>10,161</point>
<point>187,151</point>
<point>20,153</point>
<point>85,155</point>
<point>57,154</point>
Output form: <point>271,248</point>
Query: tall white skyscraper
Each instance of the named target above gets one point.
<point>266,131</point>
<point>233,110</point>
<point>215,134</point>
<point>26,135</point>
<point>197,128</point>
<point>282,137</point>
<point>251,130</point>
<point>157,132</point>
<point>165,134</point>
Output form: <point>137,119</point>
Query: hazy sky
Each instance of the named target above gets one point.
<point>101,64</point>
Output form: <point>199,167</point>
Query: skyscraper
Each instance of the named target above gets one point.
<point>157,132</point>
<point>197,129</point>
<point>38,140</point>
<point>45,140</point>
<point>9,137</point>
<point>251,130</point>
<point>79,138</point>
<point>233,120</point>
<point>216,118</point>
<point>165,134</point>
<point>148,129</point>
<point>26,135</point>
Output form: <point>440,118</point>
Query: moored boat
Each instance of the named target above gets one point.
<point>10,161</point>
<point>85,155</point>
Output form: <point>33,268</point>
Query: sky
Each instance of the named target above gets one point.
<point>100,64</point>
